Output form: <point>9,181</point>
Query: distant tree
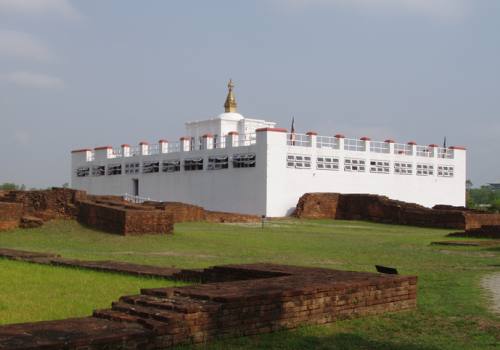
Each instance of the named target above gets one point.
<point>65,185</point>
<point>9,186</point>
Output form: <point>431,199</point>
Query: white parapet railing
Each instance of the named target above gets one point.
<point>247,139</point>
<point>424,151</point>
<point>446,153</point>
<point>300,140</point>
<point>380,147</point>
<point>354,145</point>
<point>135,199</point>
<point>327,142</point>
<point>403,149</point>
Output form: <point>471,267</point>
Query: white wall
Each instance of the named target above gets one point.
<point>271,187</point>
<point>240,190</point>
<point>286,185</point>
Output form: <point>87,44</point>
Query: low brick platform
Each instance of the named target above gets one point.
<point>488,231</point>
<point>382,209</point>
<point>124,218</point>
<point>236,300</point>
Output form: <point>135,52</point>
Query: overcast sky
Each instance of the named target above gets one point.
<point>89,73</point>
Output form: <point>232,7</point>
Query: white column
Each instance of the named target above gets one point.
<point>312,135</point>
<point>143,148</point>
<point>184,144</point>
<point>367,143</point>
<point>340,139</point>
<point>432,150</point>
<point>163,146</point>
<point>232,139</point>
<point>391,145</point>
<point>413,145</point>
<point>208,141</point>
<point>125,150</point>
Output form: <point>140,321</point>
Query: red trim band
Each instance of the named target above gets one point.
<point>233,133</point>
<point>103,147</point>
<point>142,143</point>
<point>365,138</point>
<point>390,141</point>
<point>412,143</point>
<point>207,135</point>
<point>340,136</point>
<point>311,133</point>
<point>459,147</point>
<point>433,145</point>
<point>272,129</point>
<point>81,150</point>
<point>162,141</point>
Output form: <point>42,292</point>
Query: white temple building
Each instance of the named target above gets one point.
<point>236,164</point>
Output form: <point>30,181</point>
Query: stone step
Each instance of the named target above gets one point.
<point>176,303</point>
<point>167,316</point>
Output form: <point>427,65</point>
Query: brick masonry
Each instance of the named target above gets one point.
<point>384,210</point>
<point>124,218</point>
<point>183,212</point>
<point>235,300</point>
<point>487,231</point>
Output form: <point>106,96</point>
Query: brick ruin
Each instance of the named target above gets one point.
<point>112,214</point>
<point>233,300</point>
<point>486,231</point>
<point>384,210</point>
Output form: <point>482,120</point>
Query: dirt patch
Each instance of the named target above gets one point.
<point>492,284</point>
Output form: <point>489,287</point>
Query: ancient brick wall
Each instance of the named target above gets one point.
<point>125,219</point>
<point>181,212</point>
<point>221,217</point>
<point>10,215</point>
<point>47,204</point>
<point>378,209</point>
<point>476,220</point>
<point>318,206</point>
<point>486,231</point>
<point>251,299</point>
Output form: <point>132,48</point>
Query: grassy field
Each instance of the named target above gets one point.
<point>30,292</point>
<point>452,312</point>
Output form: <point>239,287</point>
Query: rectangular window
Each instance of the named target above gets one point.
<point>379,166</point>
<point>82,172</point>
<point>99,170</point>
<point>298,161</point>
<point>114,169</point>
<point>246,160</point>
<point>402,168</point>
<point>327,163</point>
<point>150,167</point>
<point>445,170</point>
<point>132,168</point>
<point>171,166</point>
<point>425,169</point>
<point>193,164</point>
<point>356,165</point>
<point>218,162</point>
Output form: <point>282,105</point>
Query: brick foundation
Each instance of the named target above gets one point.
<point>123,218</point>
<point>238,300</point>
<point>488,231</point>
<point>384,210</point>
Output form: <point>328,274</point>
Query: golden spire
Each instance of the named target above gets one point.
<point>230,104</point>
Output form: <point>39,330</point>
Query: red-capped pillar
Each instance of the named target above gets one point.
<point>232,139</point>
<point>144,148</point>
<point>163,145</point>
<point>208,141</point>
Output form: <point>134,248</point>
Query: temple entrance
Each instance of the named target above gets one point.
<point>135,187</point>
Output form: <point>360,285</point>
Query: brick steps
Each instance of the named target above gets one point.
<point>243,300</point>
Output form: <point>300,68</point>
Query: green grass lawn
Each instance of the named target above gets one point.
<point>31,292</point>
<point>452,312</point>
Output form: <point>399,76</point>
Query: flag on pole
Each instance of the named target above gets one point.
<point>292,132</point>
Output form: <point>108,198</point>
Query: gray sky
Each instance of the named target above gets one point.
<point>89,73</point>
